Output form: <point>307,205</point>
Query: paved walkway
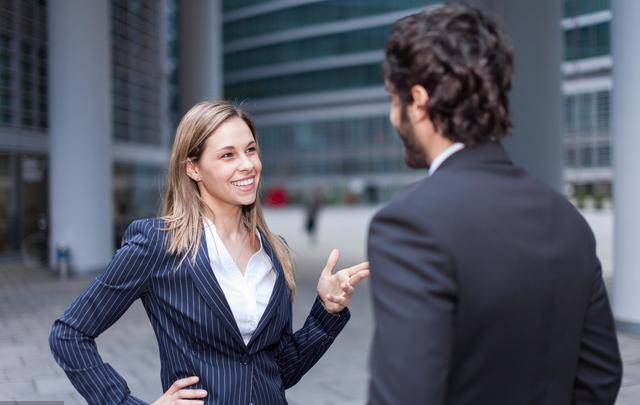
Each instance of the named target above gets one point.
<point>31,299</point>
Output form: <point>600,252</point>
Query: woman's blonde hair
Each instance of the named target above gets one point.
<point>183,207</point>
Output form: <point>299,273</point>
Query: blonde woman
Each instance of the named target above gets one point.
<point>217,285</point>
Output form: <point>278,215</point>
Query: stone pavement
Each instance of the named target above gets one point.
<point>30,299</point>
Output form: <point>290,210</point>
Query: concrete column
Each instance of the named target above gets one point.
<point>625,34</point>
<point>536,99</point>
<point>80,130</point>
<point>200,52</point>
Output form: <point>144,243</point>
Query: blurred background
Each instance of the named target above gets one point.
<point>91,93</point>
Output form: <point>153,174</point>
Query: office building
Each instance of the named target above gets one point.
<point>587,70</point>
<point>310,72</point>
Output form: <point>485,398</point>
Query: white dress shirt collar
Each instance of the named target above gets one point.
<point>247,294</point>
<point>444,155</point>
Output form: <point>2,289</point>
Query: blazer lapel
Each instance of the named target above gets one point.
<point>276,294</point>
<point>208,286</point>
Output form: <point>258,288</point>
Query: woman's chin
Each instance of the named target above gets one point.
<point>247,200</point>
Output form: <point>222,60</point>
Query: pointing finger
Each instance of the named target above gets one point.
<point>331,262</point>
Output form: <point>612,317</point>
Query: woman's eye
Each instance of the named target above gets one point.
<point>226,155</point>
<point>252,149</point>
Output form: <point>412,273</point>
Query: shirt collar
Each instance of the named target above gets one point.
<point>444,155</point>
<point>214,233</point>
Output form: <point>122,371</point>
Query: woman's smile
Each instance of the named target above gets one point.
<point>245,185</point>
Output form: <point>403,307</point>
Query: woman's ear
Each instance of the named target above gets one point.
<point>192,170</point>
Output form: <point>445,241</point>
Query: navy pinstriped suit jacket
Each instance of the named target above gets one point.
<point>196,331</point>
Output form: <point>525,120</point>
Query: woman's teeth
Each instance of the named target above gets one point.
<point>245,182</point>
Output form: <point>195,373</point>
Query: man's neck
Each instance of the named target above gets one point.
<point>438,144</point>
<point>443,150</point>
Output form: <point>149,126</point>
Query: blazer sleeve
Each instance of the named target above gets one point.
<point>299,351</point>
<point>599,371</point>
<point>414,299</point>
<point>72,338</point>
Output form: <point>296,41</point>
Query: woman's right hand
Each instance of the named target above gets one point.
<point>178,395</point>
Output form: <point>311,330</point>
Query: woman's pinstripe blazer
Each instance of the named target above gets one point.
<point>194,325</point>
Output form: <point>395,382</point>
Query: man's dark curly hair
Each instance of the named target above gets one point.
<point>464,61</point>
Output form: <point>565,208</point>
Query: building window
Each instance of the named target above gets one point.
<point>308,48</point>
<point>603,112</point>
<point>603,155</point>
<point>137,71</point>
<point>587,42</point>
<point>349,146</point>
<point>314,13</point>
<point>577,7</point>
<point>33,64</point>
<point>571,156</point>
<point>586,156</point>
<point>330,79</point>
<point>136,194</point>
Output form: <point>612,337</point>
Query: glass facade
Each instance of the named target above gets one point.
<point>327,149</point>
<point>317,81</point>
<point>23,64</point>
<point>138,61</point>
<point>8,214</point>
<point>314,13</point>
<point>587,129</point>
<point>588,42</point>
<point>6,92</point>
<point>577,7</point>
<point>369,39</point>
<point>23,203</point>
<point>233,5</point>
<point>144,59</point>
<point>136,192</point>
<point>172,58</point>
<point>323,148</point>
<point>587,107</point>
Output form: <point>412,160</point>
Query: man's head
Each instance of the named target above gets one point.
<point>448,71</point>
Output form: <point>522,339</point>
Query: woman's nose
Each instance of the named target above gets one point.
<point>246,163</point>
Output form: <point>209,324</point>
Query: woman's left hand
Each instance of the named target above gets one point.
<point>336,290</point>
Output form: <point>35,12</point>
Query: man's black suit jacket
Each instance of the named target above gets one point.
<point>486,291</point>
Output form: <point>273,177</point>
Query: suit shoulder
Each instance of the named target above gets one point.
<point>146,231</point>
<point>419,198</point>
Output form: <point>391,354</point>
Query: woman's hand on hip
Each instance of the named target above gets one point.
<point>177,394</point>
<point>336,289</point>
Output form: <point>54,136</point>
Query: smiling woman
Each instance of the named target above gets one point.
<point>229,159</point>
<point>217,285</point>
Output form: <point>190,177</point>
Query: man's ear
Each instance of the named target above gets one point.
<point>192,170</point>
<point>418,108</point>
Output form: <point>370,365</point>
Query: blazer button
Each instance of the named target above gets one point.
<point>245,359</point>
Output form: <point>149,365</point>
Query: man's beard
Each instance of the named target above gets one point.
<point>414,156</point>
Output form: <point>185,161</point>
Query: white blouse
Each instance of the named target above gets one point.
<point>248,294</point>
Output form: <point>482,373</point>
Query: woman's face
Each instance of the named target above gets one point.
<point>228,171</point>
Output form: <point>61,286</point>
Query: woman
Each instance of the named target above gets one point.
<point>216,284</point>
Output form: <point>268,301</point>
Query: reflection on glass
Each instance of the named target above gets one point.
<point>137,191</point>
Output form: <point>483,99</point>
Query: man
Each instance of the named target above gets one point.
<point>486,286</point>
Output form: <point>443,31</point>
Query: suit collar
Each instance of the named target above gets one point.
<point>490,153</point>
<point>278,290</point>
<point>209,288</point>
<point>444,155</point>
